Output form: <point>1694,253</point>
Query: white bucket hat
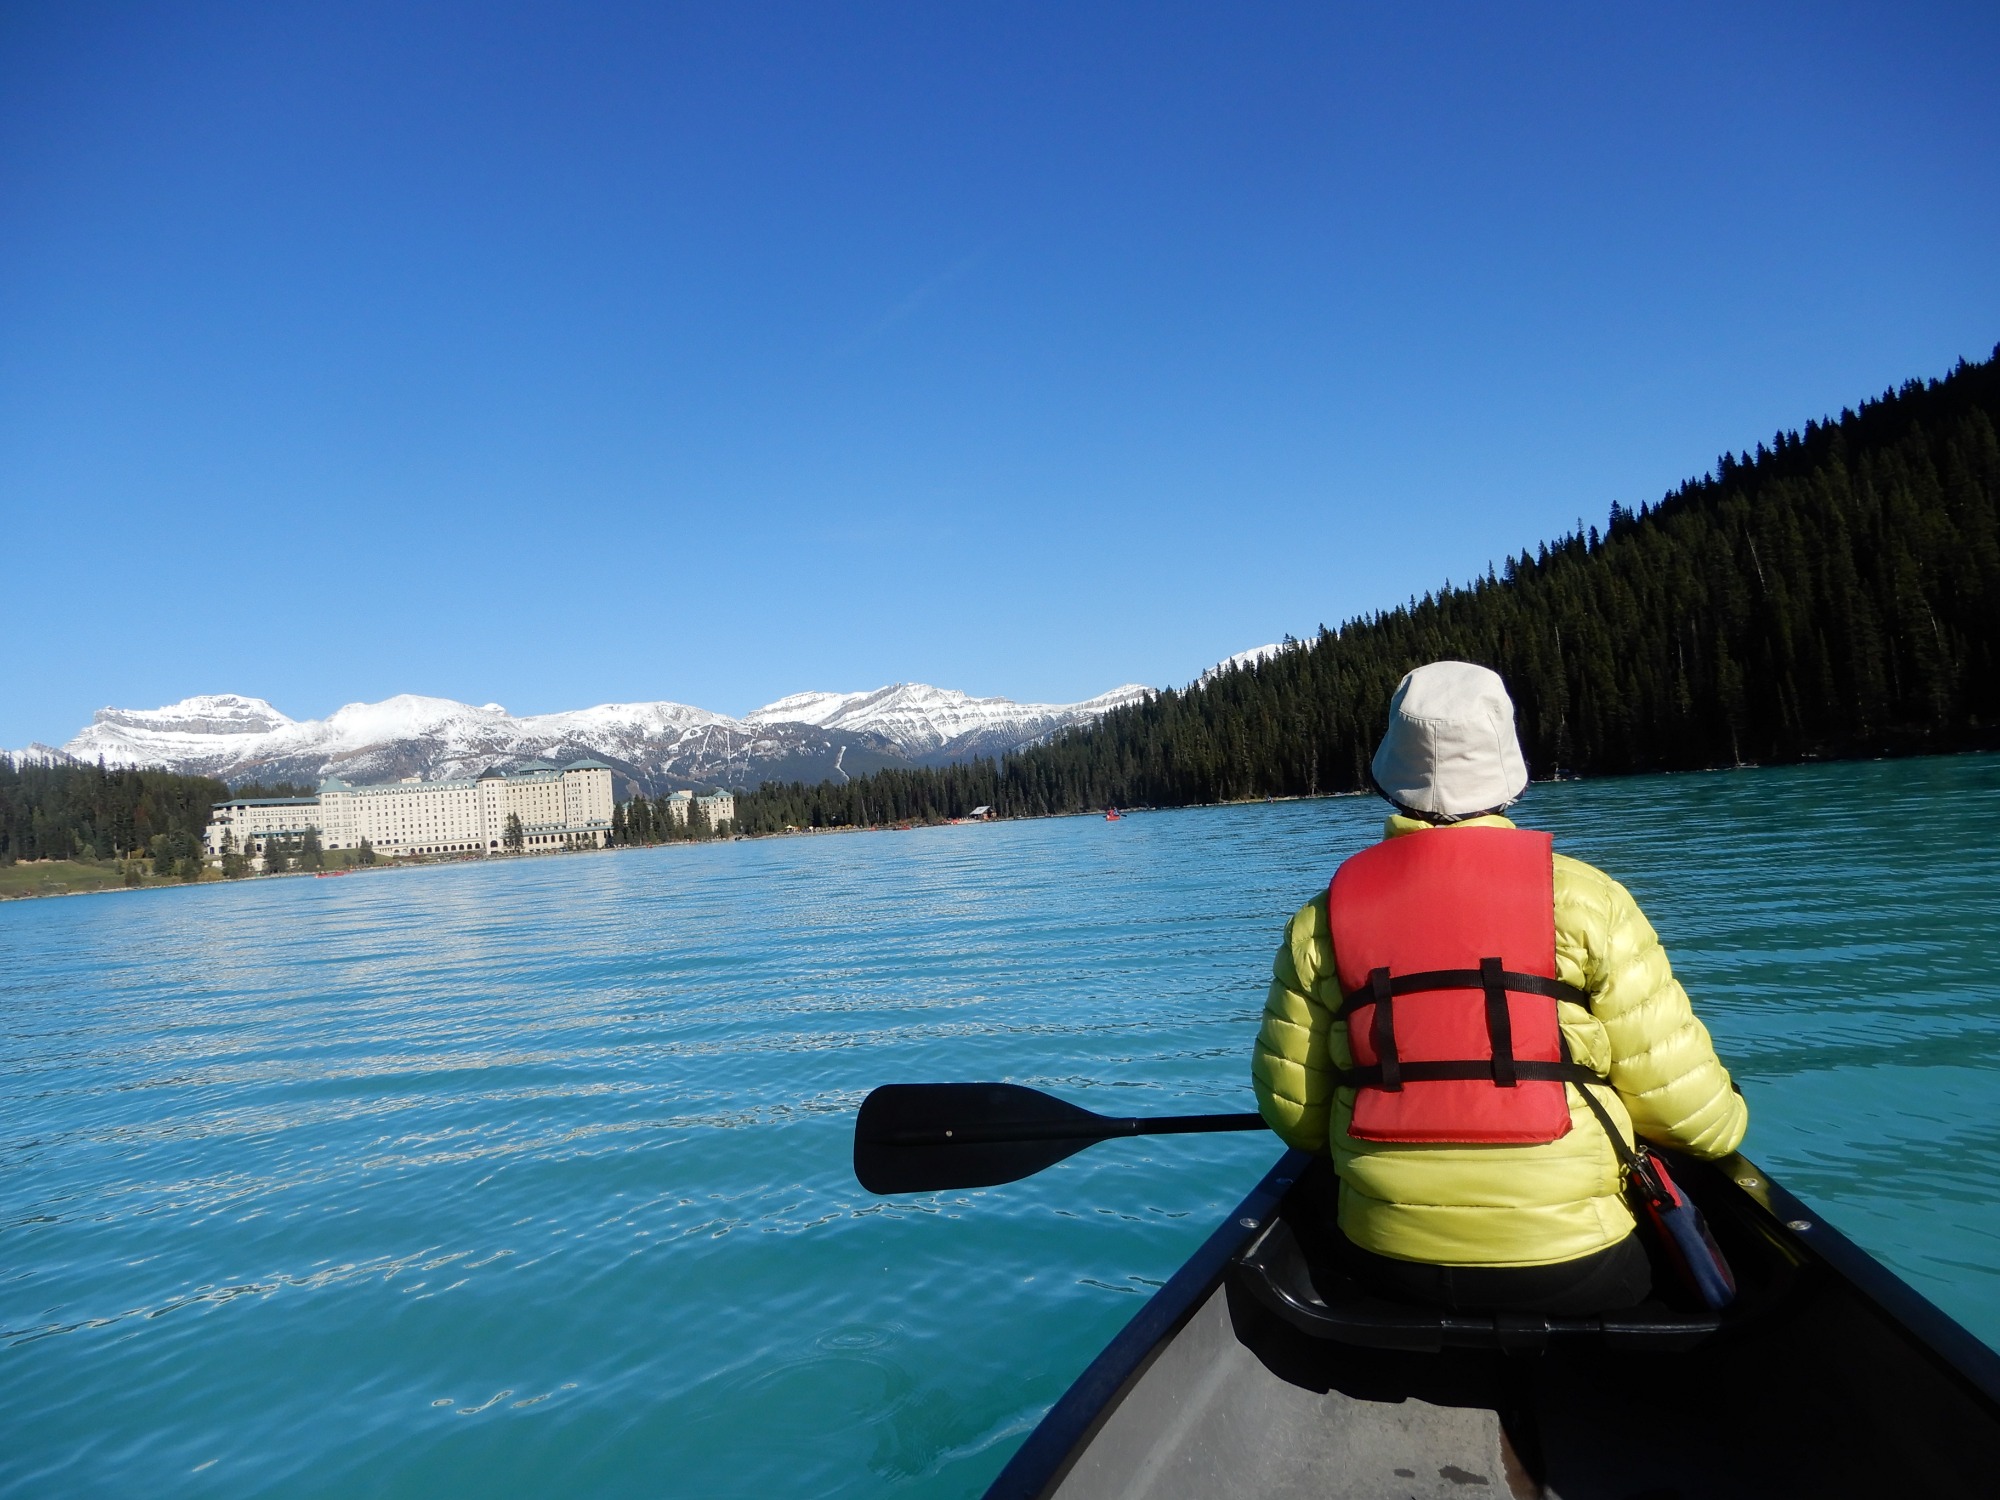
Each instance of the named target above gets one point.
<point>1451,749</point>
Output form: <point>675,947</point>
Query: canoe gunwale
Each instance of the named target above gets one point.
<point>1933,1332</point>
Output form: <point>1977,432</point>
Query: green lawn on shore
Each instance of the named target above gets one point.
<point>62,877</point>
<point>68,877</point>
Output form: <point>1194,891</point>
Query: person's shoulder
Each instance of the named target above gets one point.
<point>1580,885</point>
<point>1581,888</point>
<point>1309,919</point>
<point>1574,871</point>
<point>1305,949</point>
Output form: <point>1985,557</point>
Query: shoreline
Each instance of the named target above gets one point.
<point>215,878</point>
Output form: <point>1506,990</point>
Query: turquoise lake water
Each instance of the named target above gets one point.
<point>532,1177</point>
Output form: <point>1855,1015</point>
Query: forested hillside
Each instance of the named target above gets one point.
<point>58,811</point>
<point>1836,593</point>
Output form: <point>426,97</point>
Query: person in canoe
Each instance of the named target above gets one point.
<point>1435,1016</point>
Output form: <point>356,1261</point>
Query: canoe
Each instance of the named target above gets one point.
<point>1261,1369</point>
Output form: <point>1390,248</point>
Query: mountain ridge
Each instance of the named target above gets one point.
<point>656,746</point>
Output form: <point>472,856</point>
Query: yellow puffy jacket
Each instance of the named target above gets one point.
<point>1505,1205</point>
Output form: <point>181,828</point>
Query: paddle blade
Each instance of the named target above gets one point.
<point>930,1137</point>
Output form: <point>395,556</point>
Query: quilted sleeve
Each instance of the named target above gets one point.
<point>1663,1063</point>
<point>1290,1067</point>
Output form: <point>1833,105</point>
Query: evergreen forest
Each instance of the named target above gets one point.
<point>66,811</point>
<point>1836,593</point>
<point>644,821</point>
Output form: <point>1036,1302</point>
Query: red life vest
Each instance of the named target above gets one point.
<point>1445,945</point>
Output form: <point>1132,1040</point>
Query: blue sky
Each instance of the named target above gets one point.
<point>553,355</point>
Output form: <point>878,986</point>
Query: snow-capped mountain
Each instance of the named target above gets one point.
<point>1250,658</point>
<point>930,724</point>
<point>806,737</point>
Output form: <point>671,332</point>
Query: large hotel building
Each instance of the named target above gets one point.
<point>559,807</point>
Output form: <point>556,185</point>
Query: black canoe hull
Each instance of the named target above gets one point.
<point>1832,1378</point>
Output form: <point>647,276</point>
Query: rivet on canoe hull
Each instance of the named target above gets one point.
<point>1747,1182</point>
<point>1248,1223</point>
<point>1798,1224</point>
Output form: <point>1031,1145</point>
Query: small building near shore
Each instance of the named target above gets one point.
<point>250,820</point>
<point>717,808</point>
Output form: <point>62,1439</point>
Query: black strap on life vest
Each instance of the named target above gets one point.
<point>1376,1077</point>
<point>1499,1023</point>
<point>1459,979</point>
<point>1491,979</point>
<point>1391,1061</point>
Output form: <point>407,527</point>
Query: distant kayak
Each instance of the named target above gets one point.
<point>1112,815</point>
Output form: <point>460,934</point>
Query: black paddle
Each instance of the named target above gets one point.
<point>925,1137</point>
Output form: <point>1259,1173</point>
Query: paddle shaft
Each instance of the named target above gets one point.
<point>1099,1128</point>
